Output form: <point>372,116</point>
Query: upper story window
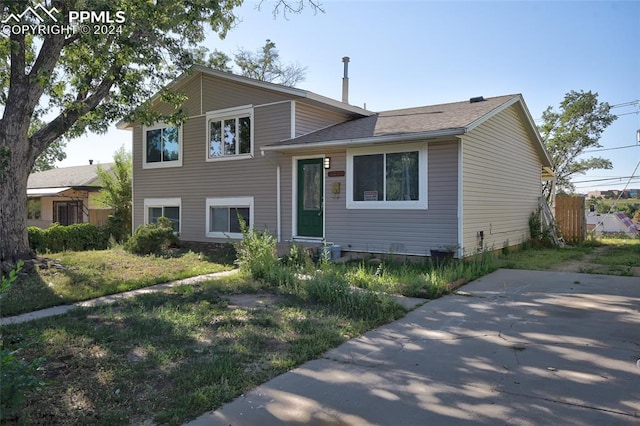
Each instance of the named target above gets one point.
<point>162,146</point>
<point>230,133</point>
<point>387,178</point>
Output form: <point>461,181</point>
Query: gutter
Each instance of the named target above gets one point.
<point>372,140</point>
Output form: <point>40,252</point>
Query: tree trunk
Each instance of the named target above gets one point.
<point>15,166</point>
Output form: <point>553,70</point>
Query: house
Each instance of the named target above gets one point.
<point>611,223</point>
<point>311,169</point>
<point>65,195</point>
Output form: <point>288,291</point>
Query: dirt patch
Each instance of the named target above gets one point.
<point>253,301</point>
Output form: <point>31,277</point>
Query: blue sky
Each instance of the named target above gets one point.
<point>422,52</point>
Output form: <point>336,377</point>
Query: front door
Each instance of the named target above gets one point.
<point>310,198</point>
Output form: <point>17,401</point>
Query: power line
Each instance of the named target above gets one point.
<point>601,185</point>
<point>610,149</point>
<point>620,105</point>
<point>603,179</point>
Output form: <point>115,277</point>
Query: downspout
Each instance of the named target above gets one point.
<point>278,224</point>
<point>278,196</point>
<point>460,209</point>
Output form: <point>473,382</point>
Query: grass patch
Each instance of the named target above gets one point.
<point>426,279</point>
<point>167,358</point>
<point>541,259</point>
<point>623,252</point>
<point>90,274</point>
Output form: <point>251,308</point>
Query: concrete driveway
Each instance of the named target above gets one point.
<point>514,347</point>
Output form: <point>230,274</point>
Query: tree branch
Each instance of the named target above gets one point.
<point>67,118</point>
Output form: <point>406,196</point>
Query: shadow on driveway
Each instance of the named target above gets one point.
<point>514,347</point>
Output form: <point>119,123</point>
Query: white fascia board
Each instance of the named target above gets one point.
<point>368,141</point>
<point>493,112</point>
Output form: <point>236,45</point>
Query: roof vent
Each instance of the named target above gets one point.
<point>476,99</point>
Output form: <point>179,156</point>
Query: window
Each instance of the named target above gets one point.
<point>162,146</point>
<point>67,212</point>
<point>224,214</point>
<point>387,178</point>
<point>155,208</point>
<point>34,208</point>
<point>230,133</point>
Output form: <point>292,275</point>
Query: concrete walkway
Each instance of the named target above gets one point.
<point>514,347</point>
<point>112,298</point>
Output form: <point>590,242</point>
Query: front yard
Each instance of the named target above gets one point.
<point>75,276</point>
<point>168,357</point>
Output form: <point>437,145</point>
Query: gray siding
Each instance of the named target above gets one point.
<point>501,182</point>
<point>198,179</point>
<point>220,94</point>
<point>310,118</point>
<point>412,232</point>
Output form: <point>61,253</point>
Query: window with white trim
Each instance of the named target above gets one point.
<point>223,216</point>
<point>161,146</point>
<point>230,133</point>
<point>155,208</point>
<point>387,178</point>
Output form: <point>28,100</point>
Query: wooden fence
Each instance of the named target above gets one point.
<point>99,216</point>
<point>571,219</point>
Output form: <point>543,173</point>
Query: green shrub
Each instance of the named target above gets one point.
<point>118,228</point>
<point>76,237</point>
<point>257,255</point>
<point>152,238</point>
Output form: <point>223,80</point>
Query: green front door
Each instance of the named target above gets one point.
<point>310,198</point>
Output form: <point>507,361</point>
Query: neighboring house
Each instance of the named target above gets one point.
<point>66,195</point>
<point>612,223</point>
<point>312,169</point>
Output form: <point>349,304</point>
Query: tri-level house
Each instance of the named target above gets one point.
<point>312,169</point>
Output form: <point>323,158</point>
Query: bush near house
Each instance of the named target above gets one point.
<point>152,238</point>
<point>77,237</point>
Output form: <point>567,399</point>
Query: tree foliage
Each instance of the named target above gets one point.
<point>54,152</point>
<point>86,81</point>
<point>568,132</point>
<point>116,193</point>
<point>264,64</point>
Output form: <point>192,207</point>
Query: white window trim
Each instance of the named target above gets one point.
<point>163,202</point>
<point>221,114</point>
<point>161,164</point>
<point>242,202</point>
<point>420,204</point>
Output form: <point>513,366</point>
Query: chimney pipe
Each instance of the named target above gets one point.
<point>345,81</point>
<point>90,162</point>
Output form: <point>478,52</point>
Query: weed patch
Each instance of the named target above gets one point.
<point>167,358</point>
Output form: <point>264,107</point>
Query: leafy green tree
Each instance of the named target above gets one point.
<point>46,160</point>
<point>116,193</point>
<point>568,132</point>
<point>88,81</point>
<point>54,152</point>
<point>264,64</point>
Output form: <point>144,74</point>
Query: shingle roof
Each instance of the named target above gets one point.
<point>66,176</point>
<point>456,115</point>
